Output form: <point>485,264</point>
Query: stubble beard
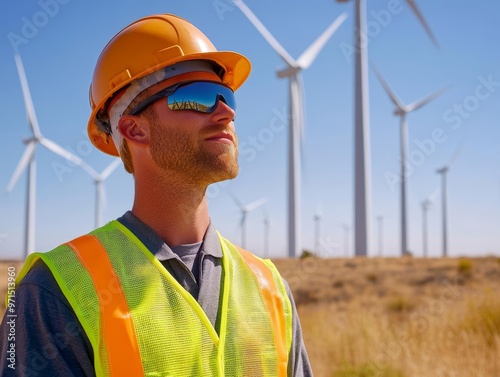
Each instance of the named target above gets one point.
<point>177,155</point>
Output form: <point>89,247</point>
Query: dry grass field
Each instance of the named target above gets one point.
<point>400,317</point>
<point>394,317</point>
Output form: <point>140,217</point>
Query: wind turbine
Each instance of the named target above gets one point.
<point>444,171</point>
<point>346,228</point>
<point>402,110</point>
<point>296,116</point>
<point>362,171</point>
<point>267,226</point>
<point>426,205</point>
<point>380,222</point>
<point>99,185</point>
<point>317,229</point>
<point>244,212</point>
<point>28,159</point>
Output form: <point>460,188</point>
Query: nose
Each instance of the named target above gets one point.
<point>223,112</point>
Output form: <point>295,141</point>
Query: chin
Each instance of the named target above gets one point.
<point>217,168</point>
<point>229,172</point>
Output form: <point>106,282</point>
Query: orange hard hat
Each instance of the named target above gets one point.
<point>145,46</point>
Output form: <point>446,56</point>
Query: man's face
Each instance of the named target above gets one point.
<point>192,146</point>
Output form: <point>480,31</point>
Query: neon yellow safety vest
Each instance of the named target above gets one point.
<point>142,322</point>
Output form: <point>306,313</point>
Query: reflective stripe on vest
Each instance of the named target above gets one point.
<point>124,358</point>
<point>160,330</point>
<point>273,303</point>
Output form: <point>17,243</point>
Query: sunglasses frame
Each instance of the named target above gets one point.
<point>168,91</point>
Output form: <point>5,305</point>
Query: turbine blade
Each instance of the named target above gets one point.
<point>394,98</point>
<point>418,104</point>
<point>90,171</point>
<point>420,17</point>
<point>256,204</point>
<point>455,155</point>
<point>110,168</point>
<point>238,203</point>
<point>308,56</point>
<point>53,147</point>
<point>23,162</point>
<point>265,33</point>
<point>28,102</point>
<point>433,195</point>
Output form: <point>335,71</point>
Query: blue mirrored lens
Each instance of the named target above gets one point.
<point>201,96</point>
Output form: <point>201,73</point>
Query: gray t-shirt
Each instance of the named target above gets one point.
<point>49,340</point>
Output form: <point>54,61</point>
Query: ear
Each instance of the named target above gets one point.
<point>134,129</point>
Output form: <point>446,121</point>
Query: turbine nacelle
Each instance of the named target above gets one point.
<point>30,139</point>
<point>399,112</point>
<point>426,204</point>
<point>442,170</point>
<point>288,72</point>
<point>445,168</point>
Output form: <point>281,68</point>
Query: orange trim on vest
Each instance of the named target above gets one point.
<point>274,305</point>
<point>122,349</point>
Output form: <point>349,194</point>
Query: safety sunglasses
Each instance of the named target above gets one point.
<point>201,96</point>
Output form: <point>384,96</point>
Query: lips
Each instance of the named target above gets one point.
<point>221,136</point>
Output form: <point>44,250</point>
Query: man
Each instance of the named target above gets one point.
<point>159,292</point>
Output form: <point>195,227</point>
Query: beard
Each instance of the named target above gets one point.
<point>176,153</point>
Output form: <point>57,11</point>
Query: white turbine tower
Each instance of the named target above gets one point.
<point>347,229</point>
<point>402,110</point>
<point>362,174</point>
<point>444,171</point>
<point>317,231</point>
<point>267,227</point>
<point>380,222</point>
<point>245,209</point>
<point>426,205</point>
<point>28,159</point>
<point>99,186</point>
<point>296,116</point>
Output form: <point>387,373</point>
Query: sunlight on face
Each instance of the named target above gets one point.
<point>183,153</point>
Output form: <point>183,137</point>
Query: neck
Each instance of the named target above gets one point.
<point>176,211</point>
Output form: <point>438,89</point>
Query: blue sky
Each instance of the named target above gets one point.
<point>59,42</point>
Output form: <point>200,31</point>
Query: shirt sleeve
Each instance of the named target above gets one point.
<point>298,361</point>
<point>46,336</point>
